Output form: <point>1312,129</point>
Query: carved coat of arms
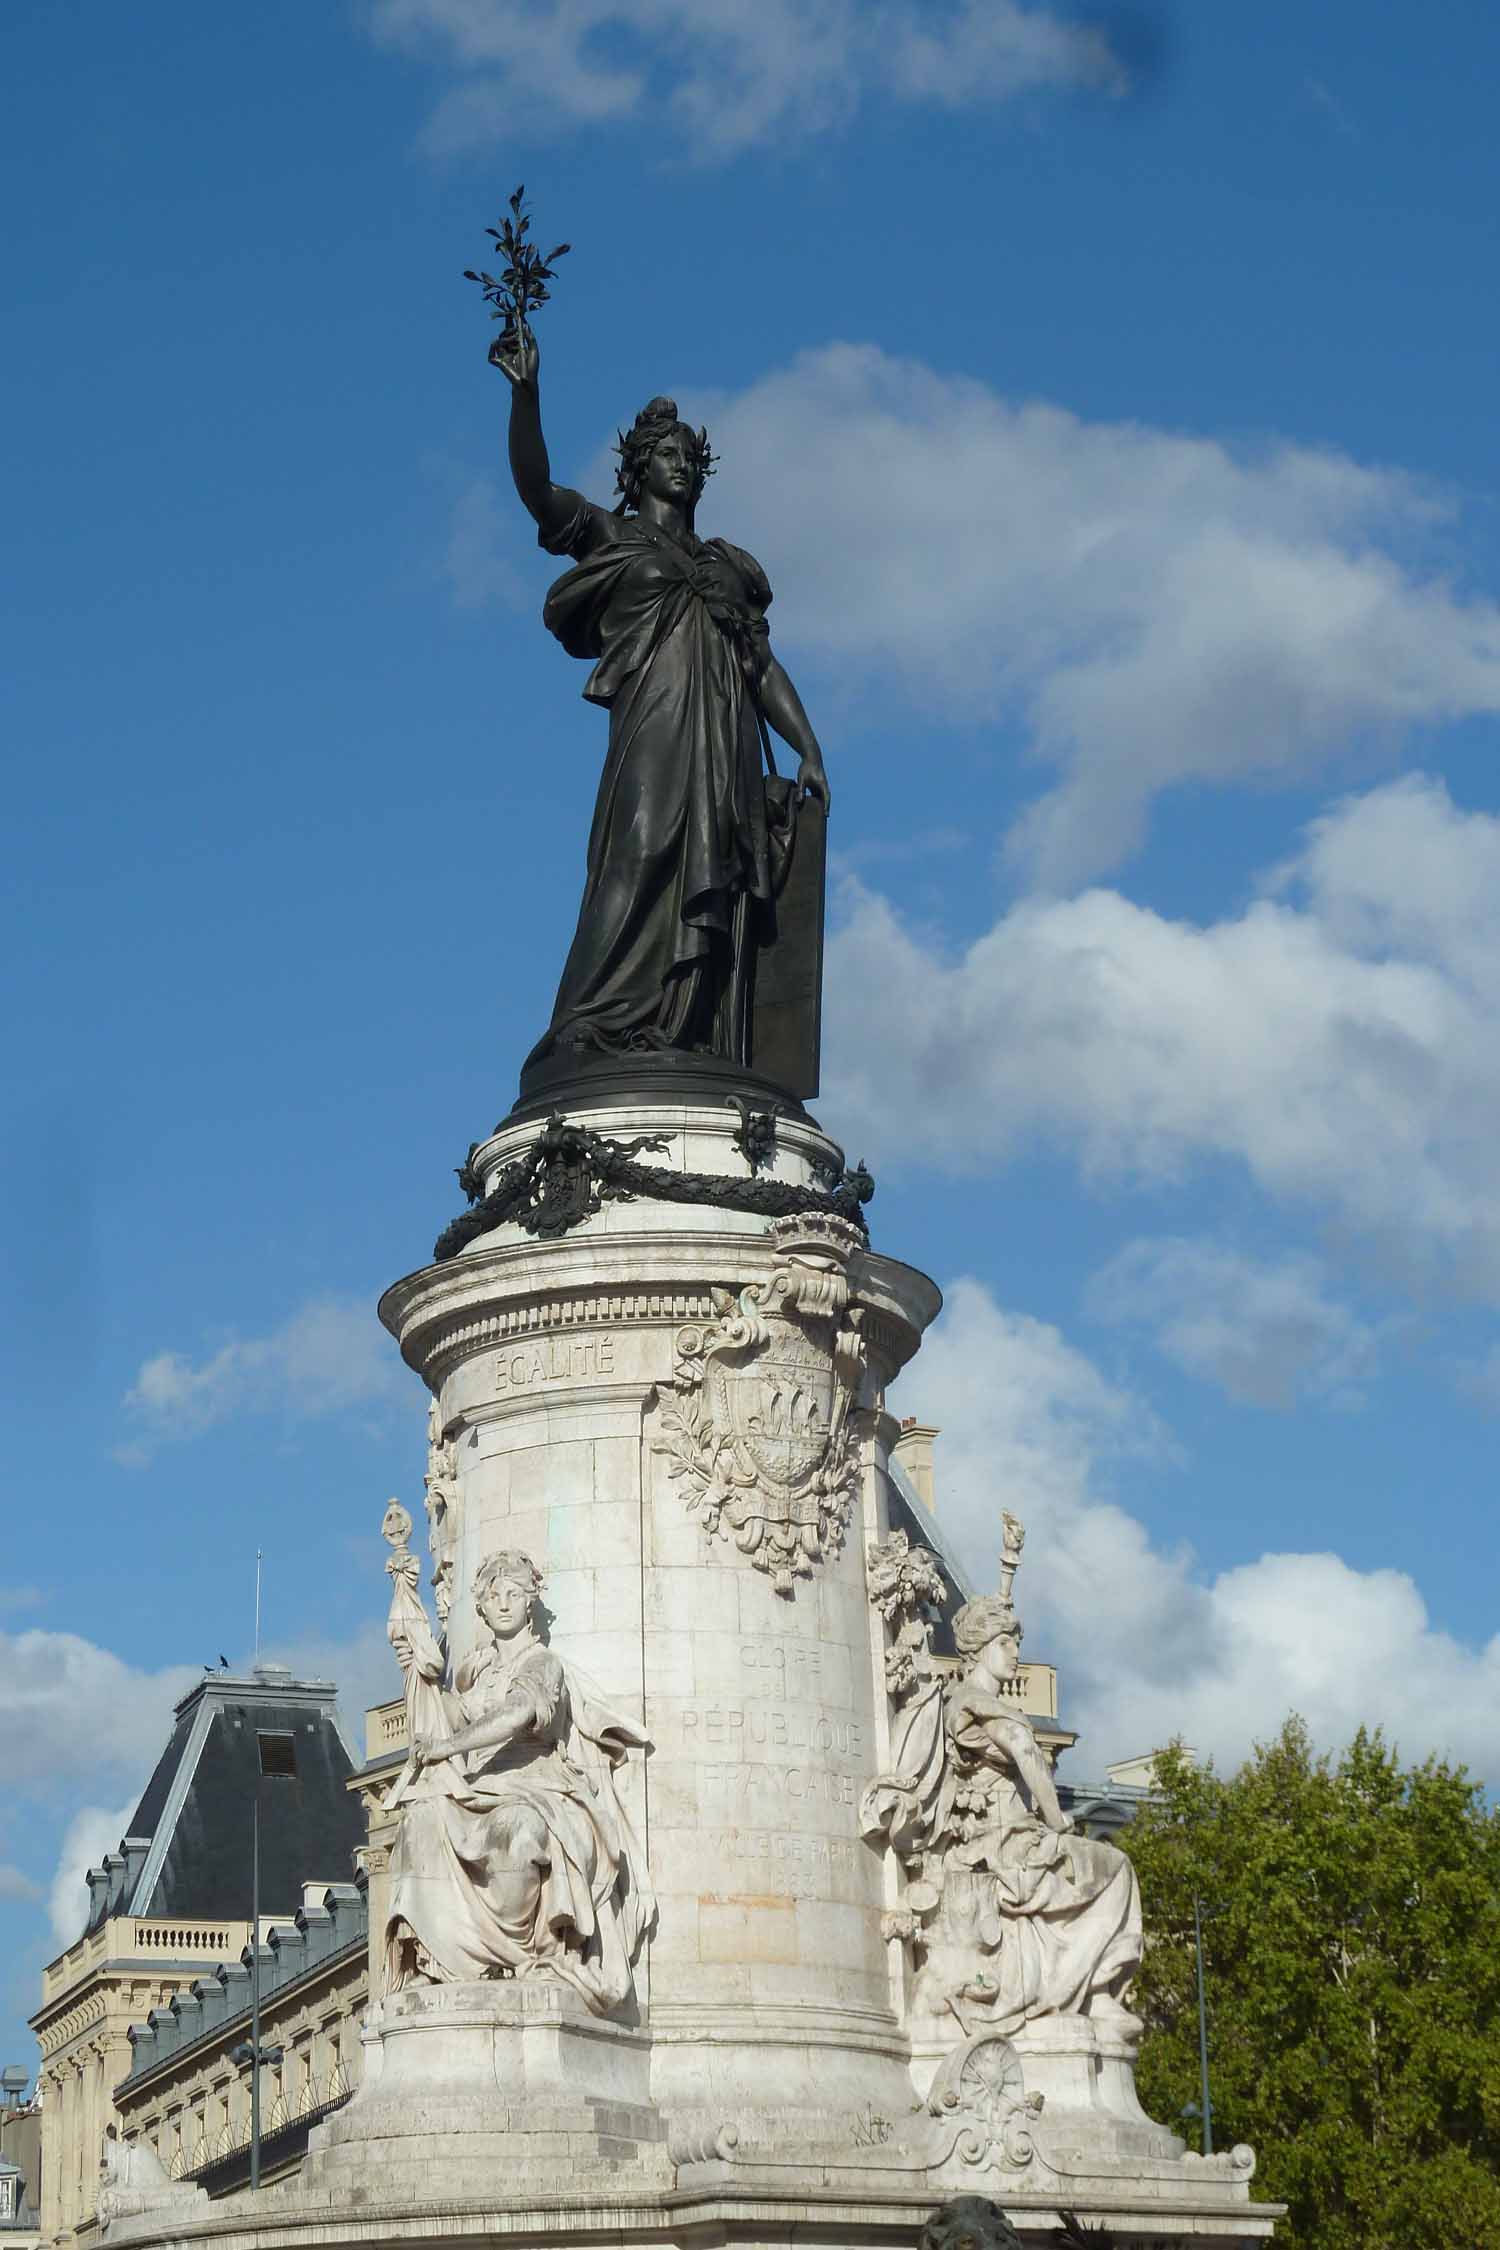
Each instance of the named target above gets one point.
<point>759,1424</point>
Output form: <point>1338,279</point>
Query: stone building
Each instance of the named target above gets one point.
<point>20,2156</point>
<point>175,1900</point>
<point>188,2098</point>
<point>18,2220</point>
<point>20,2161</point>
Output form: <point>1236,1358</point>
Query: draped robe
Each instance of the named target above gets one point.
<point>682,863</point>
<point>524,1859</point>
<point>1044,1923</point>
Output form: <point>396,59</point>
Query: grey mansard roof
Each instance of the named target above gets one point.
<point>186,1853</point>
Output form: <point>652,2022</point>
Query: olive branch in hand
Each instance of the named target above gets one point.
<point>523,281</point>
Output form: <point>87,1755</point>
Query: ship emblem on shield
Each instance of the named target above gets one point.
<point>758,1432</point>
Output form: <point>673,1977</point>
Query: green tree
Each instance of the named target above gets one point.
<point>1352,1942</point>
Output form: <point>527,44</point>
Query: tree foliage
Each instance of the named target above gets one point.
<point>1352,1946</point>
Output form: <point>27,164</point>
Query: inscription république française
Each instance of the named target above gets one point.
<point>750,1778</point>
<point>765,1728</point>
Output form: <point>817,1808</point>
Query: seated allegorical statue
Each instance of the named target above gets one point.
<point>515,1855</point>
<point>1010,1913</point>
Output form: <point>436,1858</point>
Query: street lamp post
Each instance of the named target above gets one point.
<point>275,1759</point>
<point>255,2054</point>
<point>1206,2105</point>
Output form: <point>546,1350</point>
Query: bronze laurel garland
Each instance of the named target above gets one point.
<point>570,1172</point>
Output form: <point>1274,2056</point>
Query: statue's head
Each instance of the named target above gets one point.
<point>660,453</point>
<point>990,1621</point>
<point>507,1586</point>
<point>969,2222</point>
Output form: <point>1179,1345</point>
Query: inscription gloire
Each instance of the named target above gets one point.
<point>553,1359</point>
<point>785,1668</point>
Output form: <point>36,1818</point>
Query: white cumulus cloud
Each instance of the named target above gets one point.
<point>74,1710</point>
<point>328,1357</point>
<point>361,1667</point>
<point>1152,608</point>
<point>1147,1645</point>
<point>1268,1331</point>
<point>1339,1042</point>
<point>723,76</point>
<point>91,1833</point>
<point>1145,609</point>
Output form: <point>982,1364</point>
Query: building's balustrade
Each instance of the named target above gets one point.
<point>385,1729</point>
<point>125,1935</point>
<point>174,1937</point>
<point>1034,1686</point>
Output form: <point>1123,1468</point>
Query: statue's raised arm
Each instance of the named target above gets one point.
<point>515,353</point>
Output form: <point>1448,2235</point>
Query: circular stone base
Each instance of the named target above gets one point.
<point>569,1081</point>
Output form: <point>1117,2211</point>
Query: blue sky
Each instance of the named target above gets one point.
<point>1110,400</point>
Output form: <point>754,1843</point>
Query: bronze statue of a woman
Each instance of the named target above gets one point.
<point>691,847</point>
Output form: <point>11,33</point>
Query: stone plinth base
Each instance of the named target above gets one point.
<point>752,2211</point>
<point>482,2081</point>
<point>507,2110</point>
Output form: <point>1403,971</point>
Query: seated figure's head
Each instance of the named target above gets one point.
<point>990,1622</point>
<point>507,1584</point>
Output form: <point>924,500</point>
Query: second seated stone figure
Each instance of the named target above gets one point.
<point>515,1854</point>
<point>1010,1914</point>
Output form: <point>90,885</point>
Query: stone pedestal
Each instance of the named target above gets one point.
<point>569,1375</point>
<point>631,1382</point>
<point>475,2082</point>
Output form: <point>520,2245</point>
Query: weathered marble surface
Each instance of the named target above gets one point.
<point>514,1854</point>
<point>760,2084</point>
<point>1009,1917</point>
<point>559,1371</point>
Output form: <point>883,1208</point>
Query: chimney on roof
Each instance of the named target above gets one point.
<point>913,1449</point>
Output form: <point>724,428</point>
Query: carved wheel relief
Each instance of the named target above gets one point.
<point>980,2087</point>
<point>759,1426</point>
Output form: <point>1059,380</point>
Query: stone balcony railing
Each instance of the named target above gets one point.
<point>127,1936</point>
<point>385,1729</point>
<point>1034,1686</point>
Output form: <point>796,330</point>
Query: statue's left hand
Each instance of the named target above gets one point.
<point>812,781</point>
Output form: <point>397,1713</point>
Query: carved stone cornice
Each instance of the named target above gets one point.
<point>444,1315</point>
